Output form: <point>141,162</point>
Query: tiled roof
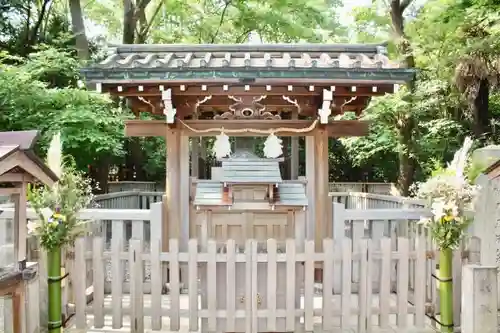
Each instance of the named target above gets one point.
<point>163,63</point>
<point>255,171</point>
<point>209,193</point>
<point>292,194</point>
<point>250,56</point>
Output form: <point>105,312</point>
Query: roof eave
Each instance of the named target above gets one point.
<point>333,75</point>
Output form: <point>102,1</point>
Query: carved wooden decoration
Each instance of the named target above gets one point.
<point>293,102</point>
<point>247,107</point>
<point>169,110</point>
<point>325,110</point>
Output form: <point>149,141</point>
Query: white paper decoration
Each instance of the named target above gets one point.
<point>222,146</point>
<point>273,147</point>
<point>54,155</point>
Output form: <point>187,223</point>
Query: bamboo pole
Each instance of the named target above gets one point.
<point>446,290</point>
<point>54,294</point>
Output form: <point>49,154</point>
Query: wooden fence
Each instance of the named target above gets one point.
<point>262,286</point>
<point>359,200</point>
<point>352,194</point>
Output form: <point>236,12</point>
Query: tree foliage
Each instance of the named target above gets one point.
<point>453,46</point>
<point>38,95</point>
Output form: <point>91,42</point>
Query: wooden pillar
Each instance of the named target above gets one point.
<point>171,205</point>
<point>195,154</point>
<point>203,156</point>
<point>311,187</point>
<point>294,152</point>
<point>183,202</point>
<point>184,192</point>
<point>20,222</point>
<point>195,157</point>
<point>323,216</point>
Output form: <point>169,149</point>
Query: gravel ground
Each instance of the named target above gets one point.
<point>147,266</point>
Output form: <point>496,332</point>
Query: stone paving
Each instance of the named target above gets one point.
<point>184,322</point>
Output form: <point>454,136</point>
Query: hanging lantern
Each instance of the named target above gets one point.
<point>222,146</point>
<point>273,147</point>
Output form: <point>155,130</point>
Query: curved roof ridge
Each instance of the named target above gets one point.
<point>265,48</point>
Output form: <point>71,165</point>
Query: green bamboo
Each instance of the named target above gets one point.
<point>55,301</point>
<point>446,290</point>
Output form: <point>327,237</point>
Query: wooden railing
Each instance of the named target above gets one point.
<point>359,200</point>
<point>375,188</point>
<point>127,200</point>
<point>369,187</point>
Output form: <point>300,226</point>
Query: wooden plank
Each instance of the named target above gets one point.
<point>385,282</point>
<point>457,284</point>
<point>156,284</point>
<point>248,286</point>
<point>117,274</point>
<point>212,285</point>
<point>17,314</point>
<point>254,300</point>
<point>138,230</point>
<point>174,285</point>
<point>79,285</point>
<point>193,284</point>
<point>402,282</point>
<point>136,283</point>
<point>369,283</point>
<point>346,283</point>
<point>328,284</point>
<point>363,282</point>
<point>150,128</point>
<point>309,286</point>
<point>271,284</point>
<point>290,284</point>
<point>98,268</point>
<point>420,281</point>
<point>231,286</point>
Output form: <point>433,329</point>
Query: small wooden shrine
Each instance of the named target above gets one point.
<point>276,91</point>
<point>19,166</point>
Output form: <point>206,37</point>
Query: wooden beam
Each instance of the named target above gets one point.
<point>4,191</point>
<point>15,177</point>
<point>148,128</point>
<point>218,89</point>
<point>224,100</point>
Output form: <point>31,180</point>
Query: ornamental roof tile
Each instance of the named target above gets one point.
<point>249,56</point>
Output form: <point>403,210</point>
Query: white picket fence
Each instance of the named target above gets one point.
<point>262,287</point>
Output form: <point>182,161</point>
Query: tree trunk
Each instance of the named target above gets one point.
<point>78,29</point>
<point>407,163</point>
<point>129,22</point>
<point>406,173</point>
<point>480,110</point>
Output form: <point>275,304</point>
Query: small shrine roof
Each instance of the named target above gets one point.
<point>247,61</point>
<point>210,193</point>
<point>254,171</point>
<point>17,155</point>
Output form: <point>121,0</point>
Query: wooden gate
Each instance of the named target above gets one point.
<point>257,288</point>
